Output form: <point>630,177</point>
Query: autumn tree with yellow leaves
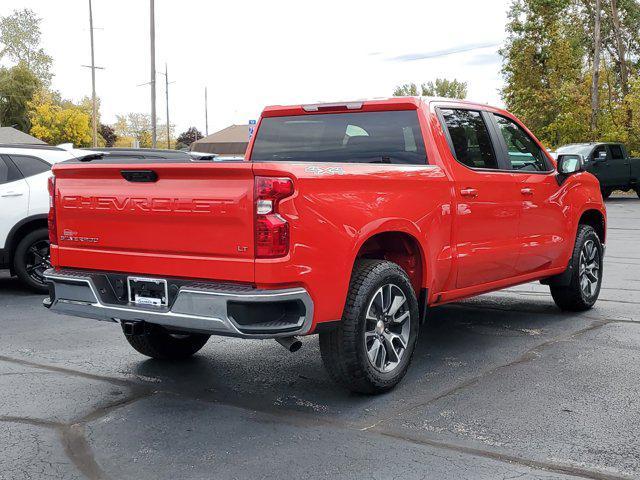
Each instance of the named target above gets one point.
<point>58,122</point>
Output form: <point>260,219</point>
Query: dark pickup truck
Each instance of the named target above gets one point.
<point>610,163</point>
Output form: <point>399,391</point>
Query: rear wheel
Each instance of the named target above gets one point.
<point>371,350</point>
<point>162,345</point>
<point>586,277</point>
<point>31,259</point>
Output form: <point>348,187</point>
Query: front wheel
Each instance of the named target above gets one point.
<point>31,259</point>
<point>586,276</point>
<point>371,350</point>
<point>158,343</point>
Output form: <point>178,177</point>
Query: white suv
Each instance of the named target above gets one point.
<point>24,202</point>
<point>24,207</point>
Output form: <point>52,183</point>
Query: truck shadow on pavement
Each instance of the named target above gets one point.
<point>460,342</point>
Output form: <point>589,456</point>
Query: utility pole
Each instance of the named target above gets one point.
<point>152,32</point>
<point>93,68</point>
<point>206,114</point>
<point>94,122</point>
<point>166,91</point>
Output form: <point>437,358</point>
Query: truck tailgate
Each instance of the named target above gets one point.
<point>194,220</point>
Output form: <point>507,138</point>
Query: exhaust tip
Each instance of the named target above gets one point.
<point>292,344</point>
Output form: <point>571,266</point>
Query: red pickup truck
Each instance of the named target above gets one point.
<point>348,220</point>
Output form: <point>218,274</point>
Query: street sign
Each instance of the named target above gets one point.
<point>252,127</point>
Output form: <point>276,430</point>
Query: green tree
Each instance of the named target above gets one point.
<point>445,88</point>
<point>187,137</point>
<point>441,87</point>
<point>108,134</point>
<point>20,42</point>
<point>18,85</point>
<point>561,81</point>
<point>406,90</point>
<point>543,69</point>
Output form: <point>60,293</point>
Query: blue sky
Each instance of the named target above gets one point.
<point>254,53</point>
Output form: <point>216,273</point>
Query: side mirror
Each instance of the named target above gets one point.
<point>568,164</point>
<point>601,157</point>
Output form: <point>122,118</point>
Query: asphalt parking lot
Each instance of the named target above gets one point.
<point>501,386</point>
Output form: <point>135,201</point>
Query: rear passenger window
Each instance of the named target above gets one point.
<point>4,172</point>
<point>524,152</point>
<point>30,166</point>
<point>470,138</point>
<point>8,171</point>
<point>616,152</point>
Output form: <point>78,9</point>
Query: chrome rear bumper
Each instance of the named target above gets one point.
<point>204,307</point>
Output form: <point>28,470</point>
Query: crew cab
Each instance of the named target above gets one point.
<point>347,220</point>
<point>610,163</point>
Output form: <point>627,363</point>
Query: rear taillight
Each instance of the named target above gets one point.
<point>53,232</point>
<point>272,231</point>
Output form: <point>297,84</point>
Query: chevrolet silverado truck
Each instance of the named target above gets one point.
<point>347,220</point>
<point>610,163</point>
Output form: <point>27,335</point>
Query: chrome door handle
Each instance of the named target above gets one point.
<point>469,192</point>
<point>12,194</point>
<point>526,191</point>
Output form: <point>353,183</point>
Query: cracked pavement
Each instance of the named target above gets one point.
<point>501,386</point>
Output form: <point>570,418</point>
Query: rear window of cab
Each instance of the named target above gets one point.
<point>391,137</point>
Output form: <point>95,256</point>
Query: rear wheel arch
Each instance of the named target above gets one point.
<point>595,219</point>
<point>22,228</point>
<point>401,248</point>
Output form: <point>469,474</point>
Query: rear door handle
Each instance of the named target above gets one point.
<point>12,194</point>
<point>469,192</point>
<point>526,191</point>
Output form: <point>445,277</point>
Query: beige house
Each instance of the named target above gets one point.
<point>232,140</point>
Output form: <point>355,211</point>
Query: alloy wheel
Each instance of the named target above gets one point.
<point>37,260</point>
<point>589,273</point>
<point>387,328</point>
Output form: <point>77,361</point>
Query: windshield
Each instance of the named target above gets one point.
<point>366,137</point>
<point>583,149</point>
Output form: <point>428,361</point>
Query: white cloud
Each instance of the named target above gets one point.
<point>255,53</point>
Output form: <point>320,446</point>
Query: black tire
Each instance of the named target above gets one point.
<point>345,349</point>
<point>162,345</point>
<point>31,258</point>
<point>606,192</point>
<point>638,192</point>
<point>573,297</point>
